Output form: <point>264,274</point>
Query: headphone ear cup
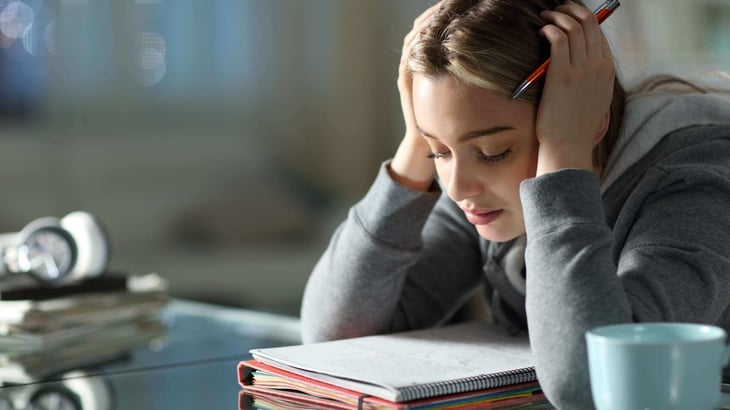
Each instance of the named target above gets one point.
<point>10,243</point>
<point>33,226</point>
<point>92,244</point>
<point>8,239</point>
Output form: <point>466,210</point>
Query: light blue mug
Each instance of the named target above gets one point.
<point>656,366</point>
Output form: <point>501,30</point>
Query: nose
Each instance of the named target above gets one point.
<point>462,182</point>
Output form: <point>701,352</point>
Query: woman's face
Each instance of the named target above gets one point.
<point>484,145</point>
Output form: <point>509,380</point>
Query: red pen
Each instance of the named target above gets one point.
<point>602,13</point>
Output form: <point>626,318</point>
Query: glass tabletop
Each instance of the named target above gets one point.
<point>207,384</point>
<point>191,366</point>
<point>199,332</point>
<point>199,385</point>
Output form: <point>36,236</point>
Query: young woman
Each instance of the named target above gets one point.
<point>572,206</point>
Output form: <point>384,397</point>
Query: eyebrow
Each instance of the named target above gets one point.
<point>473,134</point>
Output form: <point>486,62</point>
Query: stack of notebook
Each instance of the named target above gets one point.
<point>46,330</point>
<point>473,365</point>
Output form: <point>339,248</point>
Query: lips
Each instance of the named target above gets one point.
<point>479,217</point>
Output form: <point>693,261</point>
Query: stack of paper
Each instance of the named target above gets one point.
<point>463,366</point>
<point>58,329</point>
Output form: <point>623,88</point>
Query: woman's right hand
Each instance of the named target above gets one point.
<point>411,166</point>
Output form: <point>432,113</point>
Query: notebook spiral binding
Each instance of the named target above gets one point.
<point>485,381</point>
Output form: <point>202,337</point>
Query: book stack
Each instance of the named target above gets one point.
<point>47,330</point>
<point>473,365</point>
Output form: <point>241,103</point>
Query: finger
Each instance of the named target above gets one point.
<point>408,42</point>
<point>605,47</point>
<point>559,50</point>
<point>408,39</point>
<point>606,53</point>
<point>588,21</point>
<point>419,24</point>
<point>429,12</point>
<point>574,33</point>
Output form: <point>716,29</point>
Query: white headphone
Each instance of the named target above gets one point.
<point>56,250</point>
<point>76,390</point>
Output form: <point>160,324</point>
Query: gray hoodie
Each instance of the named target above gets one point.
<point>651,242</point>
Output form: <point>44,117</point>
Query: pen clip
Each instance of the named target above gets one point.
<point>608,5</point>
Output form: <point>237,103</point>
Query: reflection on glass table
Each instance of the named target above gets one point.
<point>75,392</point>
<point>192,364</point>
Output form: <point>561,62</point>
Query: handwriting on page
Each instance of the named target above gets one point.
<point>419,357</point>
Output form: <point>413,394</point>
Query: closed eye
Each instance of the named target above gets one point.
<point>438,155</point>
<point>495,158</point>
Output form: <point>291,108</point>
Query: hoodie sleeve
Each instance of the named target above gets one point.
<point>672,265</point>
<point>402,259</point>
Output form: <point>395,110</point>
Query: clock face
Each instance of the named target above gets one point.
<point>49,254</point>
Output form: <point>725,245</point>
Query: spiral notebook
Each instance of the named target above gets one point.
<point>402,367</point>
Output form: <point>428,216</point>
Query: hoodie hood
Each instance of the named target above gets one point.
<point>650,117</point>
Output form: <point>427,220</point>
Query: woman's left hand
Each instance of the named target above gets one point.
<point>573,112</point>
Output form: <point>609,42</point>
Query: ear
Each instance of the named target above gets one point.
<point>602,129</point>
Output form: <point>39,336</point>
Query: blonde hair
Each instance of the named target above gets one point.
<point>493,44</point>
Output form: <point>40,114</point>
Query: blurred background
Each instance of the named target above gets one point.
<point>221,141</point>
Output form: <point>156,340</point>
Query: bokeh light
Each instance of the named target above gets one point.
<point>31,42</point>
<point>151,58</point>
<point>15,20</point>
<point>150,39</point>
<point>49,36</point>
